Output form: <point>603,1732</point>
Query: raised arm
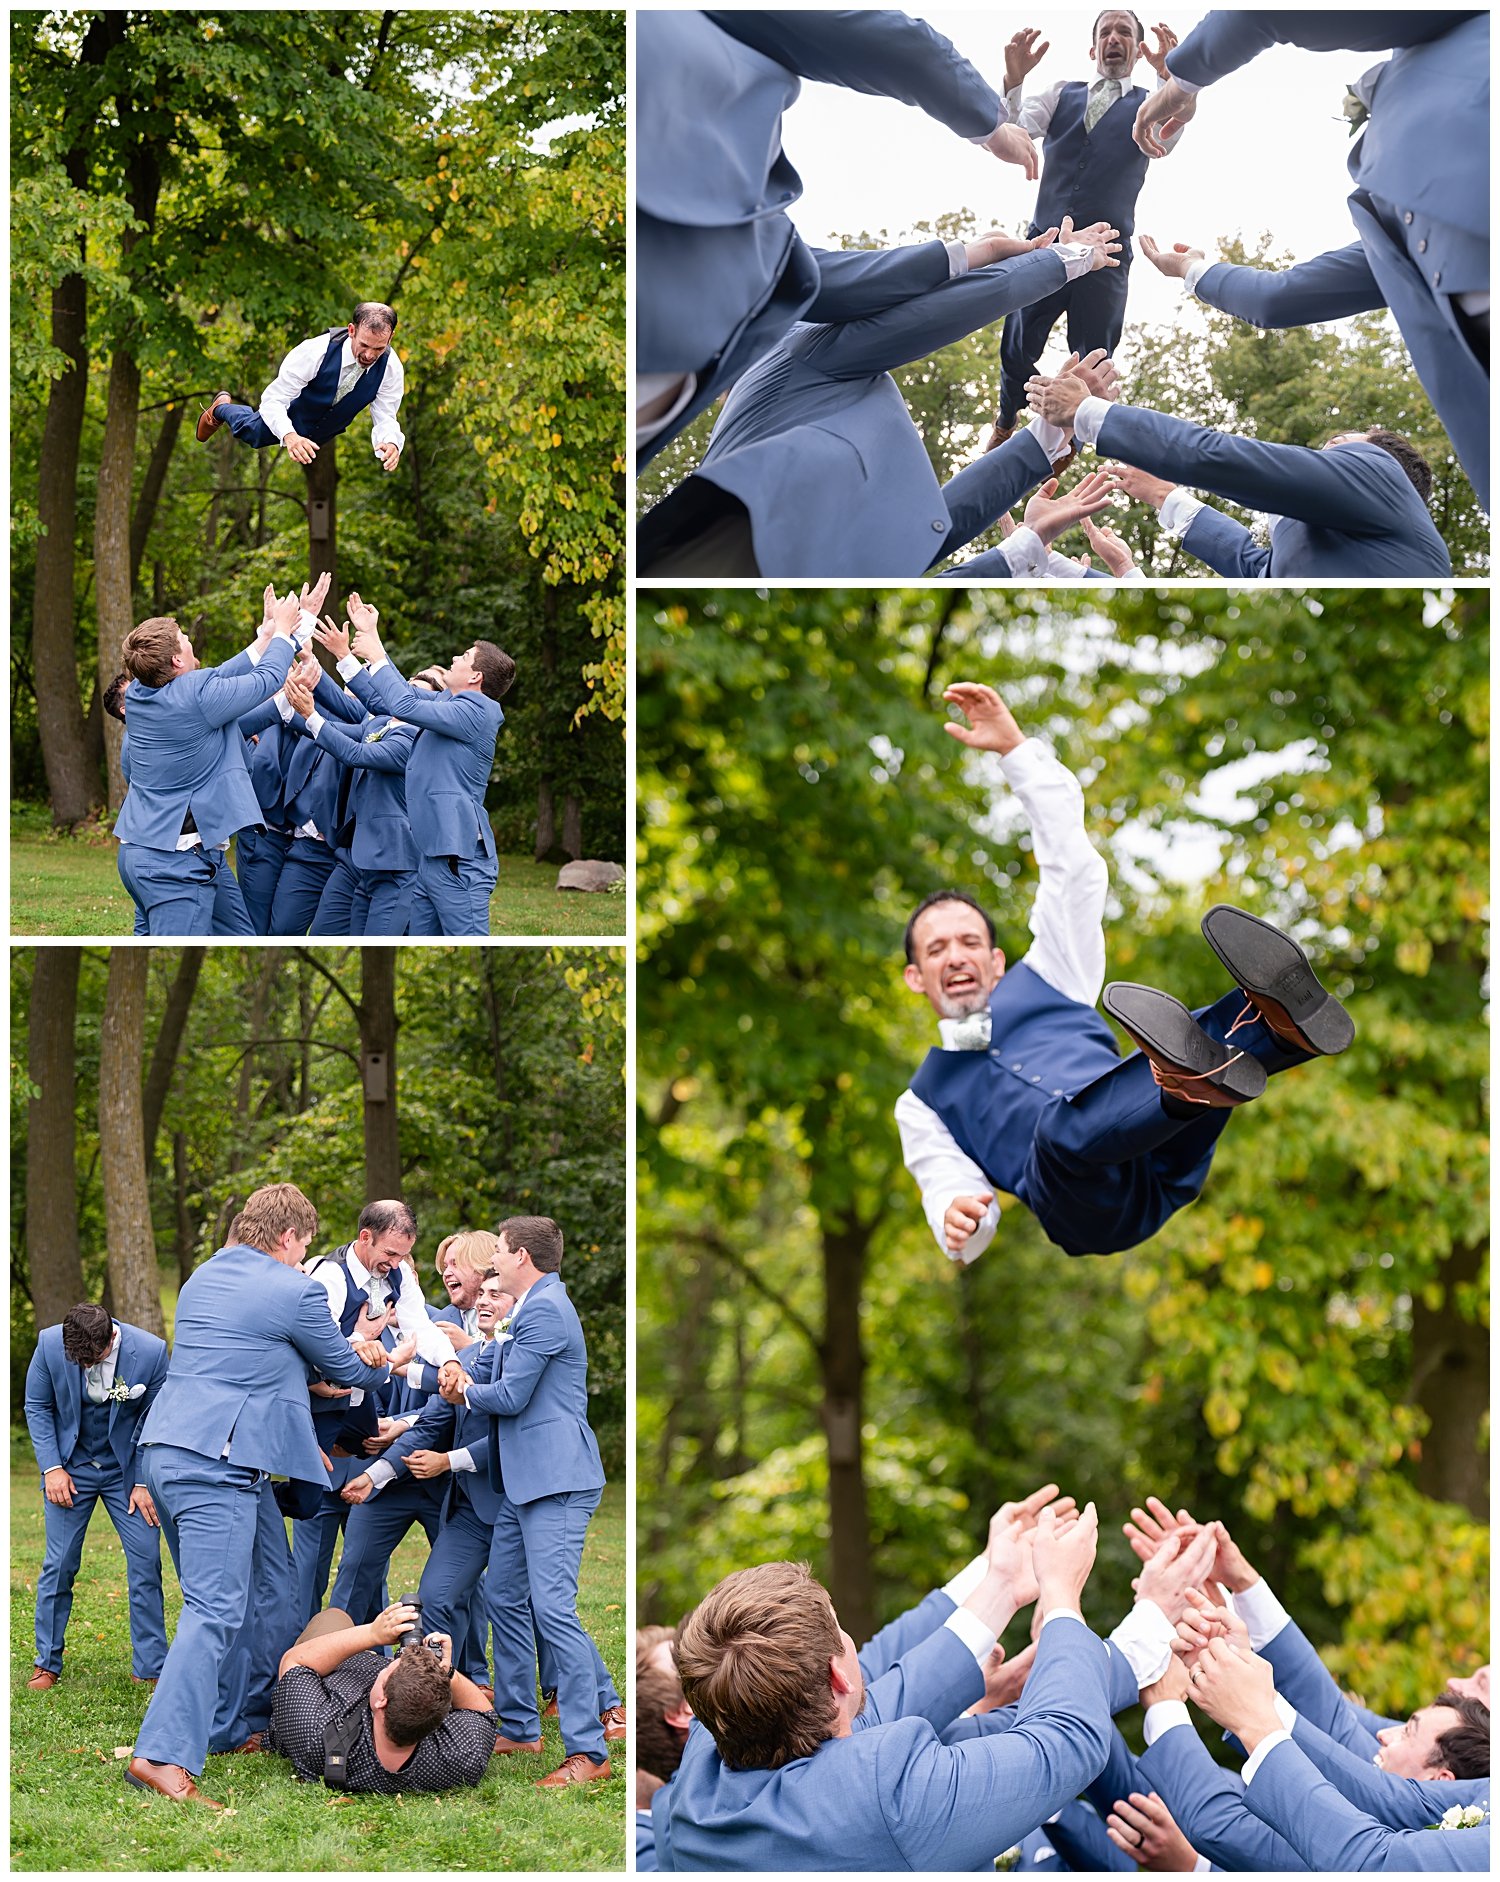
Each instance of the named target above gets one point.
<point>1402,1803</point>
<point>224,695</point>
<point>1288,1792</point>
<point>539,1336</point>
<point>1332,286</point>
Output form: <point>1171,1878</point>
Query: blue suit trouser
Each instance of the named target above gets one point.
<point>299,888</point>
<point>454,1569</point>
<point>371,1534</point>
<point>335,910</point>
<point>258,857</point>
<point>538,1548</point>
<point>247,1681</point>
<point>546,1671</point>
<point>382,905</point>
<point>1111,1164</point>
<point>65,1529</point>
<point>210,1512</point>
<point>1095,307</point>
<point>314,1539</point>
<point>184,892</point>
<point>451,895</point>
<point>247,425</point>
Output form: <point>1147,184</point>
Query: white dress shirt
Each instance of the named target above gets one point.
<point>1035,114</point>
<point>98,1378</point>
<point>1067,950</point>
<point>302,365</point>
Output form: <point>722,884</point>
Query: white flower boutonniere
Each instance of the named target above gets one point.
<point>1355,111</point>
<point>1463,1817</point>
<point>122,1393</point>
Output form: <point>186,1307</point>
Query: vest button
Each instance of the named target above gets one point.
<point>1437,275</point>
<point>1056,1092</point>
<point>1422,246</point>
<point>1016,1067</point>
<point>1407,216</point>
<point>994,1052</point>
<point>938,524</point>
<point>1036,1078</point>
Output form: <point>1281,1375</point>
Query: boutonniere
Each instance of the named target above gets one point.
<point>1356,111</point>
<point>502,1331</point>
<point>121,1393</point>
<point>1462,1817</point>
<point>374,738</point>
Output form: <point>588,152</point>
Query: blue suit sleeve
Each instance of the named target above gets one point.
<point>856,282</point>
<point>41,1413</point>
<point>1402,1803</point>
<point>1225,545</point>
<point>1079,1837</point>
<point>1121,1775</point>
<point>983,491</point>
<point>540,1335</point>
<point>321,1344</point>
<point>334,703</point>
<point>433,1431</point>
<point>992,564</point>
<point>1308,1686</point>
<point>386,689</point>
<point>1289,1793</point>
<point>1337,489</point>
<point>265,715</point>
<point>883,1649</point>
<point>392,753</point>
<point>882,53</point>
<point>1223,41</point>
<point>935,1679</point>
<point>1330,287</point>
<point>915,328</point>
<point>1209,1805</point>
<point>153,1386</point>
<point>226,694</point>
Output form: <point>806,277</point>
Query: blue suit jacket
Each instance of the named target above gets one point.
<point>1308,1686</point>
<point>1421,200</point>
<point>722,274</point>
<point>444,1427</point>
<point>186,752</point>
<point>1290,1794</point>
<point>535,1388</point>
<point>1401,1803</point>
<point>1209,1805</point>
<point>1351,510</point>
<point>449,767</point>
<point>817,443</point>
<point>54,1397</point>
<point>246,1332</point>
<point>370,821</point>
<point>894,1796</point>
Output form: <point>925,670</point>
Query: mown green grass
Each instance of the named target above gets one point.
<point>68,885</point>
<point>71,1808</point>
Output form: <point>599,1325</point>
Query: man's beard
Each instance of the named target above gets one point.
<point>960,1006</point>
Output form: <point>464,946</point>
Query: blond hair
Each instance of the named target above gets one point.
<point>473,1251</point>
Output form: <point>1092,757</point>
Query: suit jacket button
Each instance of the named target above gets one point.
<point>1036,1078</point>
<point>1056,1092</point>
<point>1407,216</point>
<point>1437,275</point>
<point>938,523</point>
<point>1016,1067</point>
<point>1422,246</point>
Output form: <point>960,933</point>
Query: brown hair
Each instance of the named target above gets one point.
<point>87,1331</point>
<point>658,1746</point>
<point>1465,1746</point>
<point>753,1659</point>
<point>148,650</point>
<point>473,1249</point>
<point>268,1214</point>
<point>496,669</point>
<point>418,1696</point>
<point>539,1235</point>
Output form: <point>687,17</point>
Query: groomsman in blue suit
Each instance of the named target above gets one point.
<point>1420,204</point>
<point>1091,172</point>
<point>1027,1092</point>
<point>448,771</point>
<point>232,1410</point>
<point>89,1385</point>
<point>815,467</point>
<point>320,387</point>
<point>188,790</point>
<point>1357,506</point>
<point>532,1384</point>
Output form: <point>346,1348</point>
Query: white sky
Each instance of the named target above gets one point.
<point>1268,150</point>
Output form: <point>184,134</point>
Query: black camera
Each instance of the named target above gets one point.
<point>413,1635</point>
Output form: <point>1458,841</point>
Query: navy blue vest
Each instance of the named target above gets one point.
<point>354,1294</point>
<point>1093,177</point>
<point>315,413</point>
<point>93,1431</point>
<point>1042,1046</point>
<point>311,792</point>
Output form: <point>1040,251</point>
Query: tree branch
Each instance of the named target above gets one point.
<point>707,1239</point>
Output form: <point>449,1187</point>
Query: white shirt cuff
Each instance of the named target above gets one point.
<point>1024,552</point>
<point>284,706</point>
<point>1163,1716</point>
<point>967,1580</point>
<point>1258,1608</point>
<point>1052,438</point>
<point>459,1461</point>
<point>1145,1638</point>
<point>381,1473</point>
<point>256,652</point>
<point>958,259</point>
<point>1285,1711</point>
<point>349,666</point>
<point>1088,418</point>
<point>1195,273</point>
<point>1178,509</point>
<point>972,1632</point>
<point>383,661</point>
<point>302,633</point>
<point>1063,1614</point>
<point>1077,258</point>
<point>315,723</point>
<point>1187,85</point>
<point>1258,1757</point>
<point>1201,1865</point>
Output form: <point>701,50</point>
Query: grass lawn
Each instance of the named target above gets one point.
<point>71,1808</point>
<point>68,885</point>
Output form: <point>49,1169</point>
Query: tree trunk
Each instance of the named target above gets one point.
<point>134,1282</point>
<point>56,1270</point>
<point>572,836</point>
<point>1450,1381</point>
<point>851,1579</point>
<point>546,824</point>
<point>168,1045</point>
<point>377,1054</point>
<point>184,1221</point>
<point>113,566</point>
<point>146,503</point>
<point>72,786</point>
<point>322,515</point>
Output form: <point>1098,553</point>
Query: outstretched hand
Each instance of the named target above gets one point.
<point>1156,56</point>
<point>1148,1833</point>
<point>1099,236</point>
<point>1162,115</point>
<point>314,595</point>
<point>367,643</point>
<point>1114,551</point>
<point>991,727</point>
<point>335,639</point>
<point>1010,144</point>
<point>1023,55</point>
<point>995,245</point>
<point>1173,262</point>
<point>1141,485</point>
<point>301,449</point>
<point>1051,516</point>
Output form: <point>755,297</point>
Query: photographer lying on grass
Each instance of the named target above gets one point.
<point>361,1722</point>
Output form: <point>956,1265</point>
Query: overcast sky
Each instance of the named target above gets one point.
<point>1268,150</point>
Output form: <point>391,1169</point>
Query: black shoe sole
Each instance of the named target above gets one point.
<point>1164,1026</point>
<point>1270,966</point>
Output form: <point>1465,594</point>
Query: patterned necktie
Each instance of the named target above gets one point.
<point>348,378</point>
<point>93,1383</point>
<point>1101,97</point>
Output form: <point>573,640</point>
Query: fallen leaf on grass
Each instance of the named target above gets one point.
<point>124,1751</point>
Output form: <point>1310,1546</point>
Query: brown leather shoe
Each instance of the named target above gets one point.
<point>255,1742</point>
<point>207,423</point>
<point>577,1768</point>
<point>42,1681</point>
<point>999,434</point>
<point>167,1780</point>
<point>549,1711</point>
<point>505,1746</point>
<point>1278,980</point>
<point>1186,1063</point>
<point>613,1722</point>
<point>137,1680</point>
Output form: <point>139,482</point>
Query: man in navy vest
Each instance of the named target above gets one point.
<point>448,771</point>
<point>90,1383</point>
<point>1421,201</point>
<point>1028,1093</point>
<point>1355,506</point>
<point>321,385</point>
<point>1091,172</point>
